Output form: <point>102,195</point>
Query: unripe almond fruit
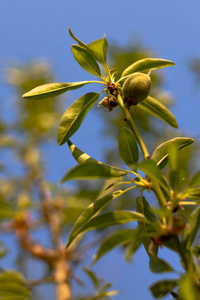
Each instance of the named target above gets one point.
<point>136,88</point>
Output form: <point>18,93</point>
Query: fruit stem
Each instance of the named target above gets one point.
<point>132,126</point>
<point>128,118</point>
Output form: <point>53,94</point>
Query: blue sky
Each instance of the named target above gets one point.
<point>38,29</point>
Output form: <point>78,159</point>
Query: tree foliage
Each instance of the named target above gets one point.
<point>173,222</point>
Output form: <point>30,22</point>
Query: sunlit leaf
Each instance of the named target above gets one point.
<point>192,227</point>
<point>157,109</point>
<point>162,288</point>
<point>91,211</point>
<point>99,50</point>
<point>74,116</point>
<point>111,293</point>
<point>147,64</point>
<point>82,158</point>
<point>128,148</point>
<point>76,39</point>
<point>53,89</point>
<point>192,193</point>
<point>161,153</point>
<point>113,218</point>
<point>113,240</point>
<point>119,183</point>
<point>86,60</point>
<point>158,265</point>
<point>188,288</point>
<point>90,170</point>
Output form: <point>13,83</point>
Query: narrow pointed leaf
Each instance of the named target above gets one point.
<point>82,158</point>
<point>111,219</point>
<point>53,89</point>
<point>99,50</point>
<point>192,193</point>
<point>147,64</point>
<point>128,148</point>
<point>76,39</point>
<point>74,116</point>
<point>113,240</point>
<point>91,211</point>
<point>92,277</point>
<point>158,265</point>
<point>195,181</point>
<point>162,288</point>
<point>161,153</point>
<point>90,171</point>
<point>157,109</point>
<point>138,240</point>
<point>143,207</point>
<point>86,60</point>
<point>192,227</point>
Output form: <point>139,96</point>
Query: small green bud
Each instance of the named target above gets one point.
<point>136,88</point>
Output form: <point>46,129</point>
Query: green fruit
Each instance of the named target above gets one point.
<point>136,88</point>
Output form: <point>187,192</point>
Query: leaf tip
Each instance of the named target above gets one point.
<point>25,95</point>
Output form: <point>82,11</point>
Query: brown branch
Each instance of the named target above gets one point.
<point>60,266</point>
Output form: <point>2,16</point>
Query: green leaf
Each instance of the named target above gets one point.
<point>158,265</point>
<point>157,109</point>
<point>113,218</point>
<point>147,64</point>
<point>99,50</point>
<point>113,240</point>
<point>11,285</point>
<point>3,249</point>
<point>142,206</point>
<point>188,288</point>
<point>128,148</point>
<point>74,116</point>
<point>177,179</point>
<point>195,181</point>
<point>161,153</point>
<point>92,276</point>
<point>5,210</point>
<point>191,229</point>
<point>91,211</point>
<point>90,170</point>
<point>192,193</point>
<point>82,158</point>
<point>149,167</point>
<point>162,288</point>
<point>138,240</point>
<point>53,89</point>
<point>76,39</point>
<point>86,60</point>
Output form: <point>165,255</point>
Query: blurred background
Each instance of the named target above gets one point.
<point>35,49</point>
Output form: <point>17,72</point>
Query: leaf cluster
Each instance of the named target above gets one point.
<point>163,226</point>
